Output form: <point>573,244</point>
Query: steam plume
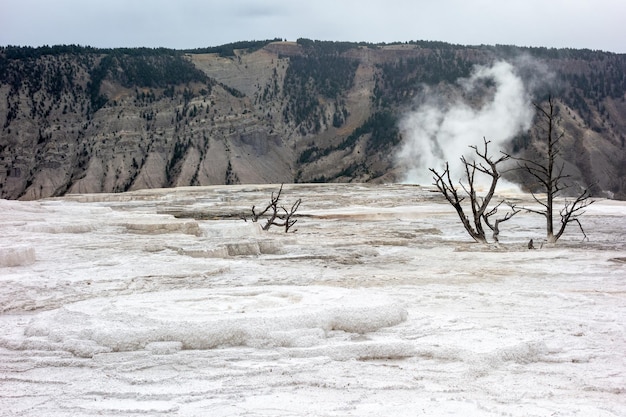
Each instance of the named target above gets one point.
<point>436,132</point>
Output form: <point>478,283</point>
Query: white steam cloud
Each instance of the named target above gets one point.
<point>437,133</point>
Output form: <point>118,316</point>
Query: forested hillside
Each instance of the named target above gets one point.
<point>80,119</point>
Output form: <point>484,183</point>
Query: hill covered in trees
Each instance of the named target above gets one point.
<point>81,119</point>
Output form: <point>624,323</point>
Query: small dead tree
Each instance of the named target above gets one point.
<point>550,176</point>
<point>278,215</point>
<point>495,227</point>
<point>479,205</point>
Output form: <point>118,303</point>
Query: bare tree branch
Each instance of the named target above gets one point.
<point>571,211</point>
<point>495,227</point>
<point>445,185</point>
<point>287,222</point>
<point>272,205</point>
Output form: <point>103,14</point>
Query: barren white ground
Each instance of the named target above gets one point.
<point>377,305</point>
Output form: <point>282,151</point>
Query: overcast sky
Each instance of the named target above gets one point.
<point>182,24</point>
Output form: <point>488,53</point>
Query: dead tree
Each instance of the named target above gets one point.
<point>550,177</point>
<point>278,215</point>
<point>479,205</point>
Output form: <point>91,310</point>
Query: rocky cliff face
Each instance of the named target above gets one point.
<point>81,120</point>
<point>142,136</point>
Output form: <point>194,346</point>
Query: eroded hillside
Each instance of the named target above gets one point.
<point>84,120</point>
